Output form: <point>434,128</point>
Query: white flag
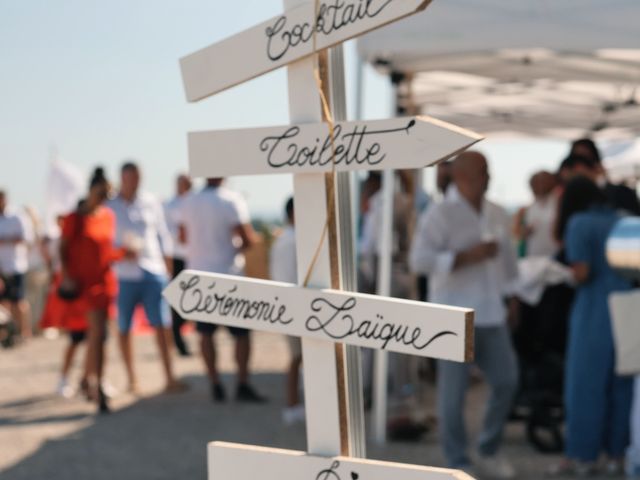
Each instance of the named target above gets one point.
<point>65,187</point>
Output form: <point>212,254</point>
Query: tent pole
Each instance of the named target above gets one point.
<point>381,366</point>
<point>353,362</point>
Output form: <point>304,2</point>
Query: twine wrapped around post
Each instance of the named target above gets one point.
<point>326,109</point>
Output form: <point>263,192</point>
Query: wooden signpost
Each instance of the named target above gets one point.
<point>412,142</point>
<point>324,316</point>
<point>285,39</point>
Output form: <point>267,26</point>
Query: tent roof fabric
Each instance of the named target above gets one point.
<point>558,68</point>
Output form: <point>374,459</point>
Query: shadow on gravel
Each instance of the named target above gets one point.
<point>6,422</point>
<point>160,437</point>
<point>29,401</point>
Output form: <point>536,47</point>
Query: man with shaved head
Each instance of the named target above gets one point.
<point>463,244</point>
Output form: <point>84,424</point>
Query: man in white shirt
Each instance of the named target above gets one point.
<point>172,214</point>
<point>533,225</point>
<point>141,228</point>
<point>463,244</point>
<point>216,229</point>
<point>283,267</point>
<point>369,245</point>
<point>14,263</point>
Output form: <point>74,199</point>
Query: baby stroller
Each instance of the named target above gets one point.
<point>540,343</point>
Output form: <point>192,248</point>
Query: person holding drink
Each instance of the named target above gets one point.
<point>462,243</point>
<point>141,228</point>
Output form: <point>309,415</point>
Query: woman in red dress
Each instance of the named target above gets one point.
<point>70,316</point>
<point>87,253</point>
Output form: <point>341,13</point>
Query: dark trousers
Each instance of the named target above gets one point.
<point>176,320</point>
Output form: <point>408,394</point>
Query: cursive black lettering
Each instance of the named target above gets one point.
<point>329,473</point>
<point>191,297</point>
<point>337,321</point>
<point>336,330</point>
<point>332,16</point>
<point>358,145</point>
<point>212,301</point>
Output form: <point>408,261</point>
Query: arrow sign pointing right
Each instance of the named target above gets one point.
<point>409,142</point>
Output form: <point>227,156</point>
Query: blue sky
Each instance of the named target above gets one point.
<point>100,81</point>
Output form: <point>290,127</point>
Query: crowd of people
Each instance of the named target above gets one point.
<point>118,248</point>
<point>472,253</point>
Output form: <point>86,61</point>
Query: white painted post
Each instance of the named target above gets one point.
<point>321,381</point>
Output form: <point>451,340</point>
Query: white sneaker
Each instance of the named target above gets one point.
<point>295,414</point>
<point>108,389</point>
<point>64,389</point>
<point>495,466</point>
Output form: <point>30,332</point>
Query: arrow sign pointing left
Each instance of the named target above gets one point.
<point>409,142</point>
<point>285,39</point>
<point>403,326</point>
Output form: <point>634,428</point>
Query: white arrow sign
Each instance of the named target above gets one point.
<point>410,142</point>
<point>284,39</point>
<point>243,462</point>
<point>404,326</point>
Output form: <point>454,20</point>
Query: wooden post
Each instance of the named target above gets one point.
<point>324,386</point>
<point>354,401</point>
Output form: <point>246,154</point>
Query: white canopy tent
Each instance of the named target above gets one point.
<point>559,69</point>
<point>512,68</point>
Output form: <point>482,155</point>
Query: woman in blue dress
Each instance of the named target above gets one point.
<point>597,401</point>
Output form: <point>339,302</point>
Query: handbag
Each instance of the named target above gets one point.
<point>624,308</point>
<point>68,291</point>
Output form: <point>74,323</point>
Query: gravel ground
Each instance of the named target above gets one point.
<point>156,436</point>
